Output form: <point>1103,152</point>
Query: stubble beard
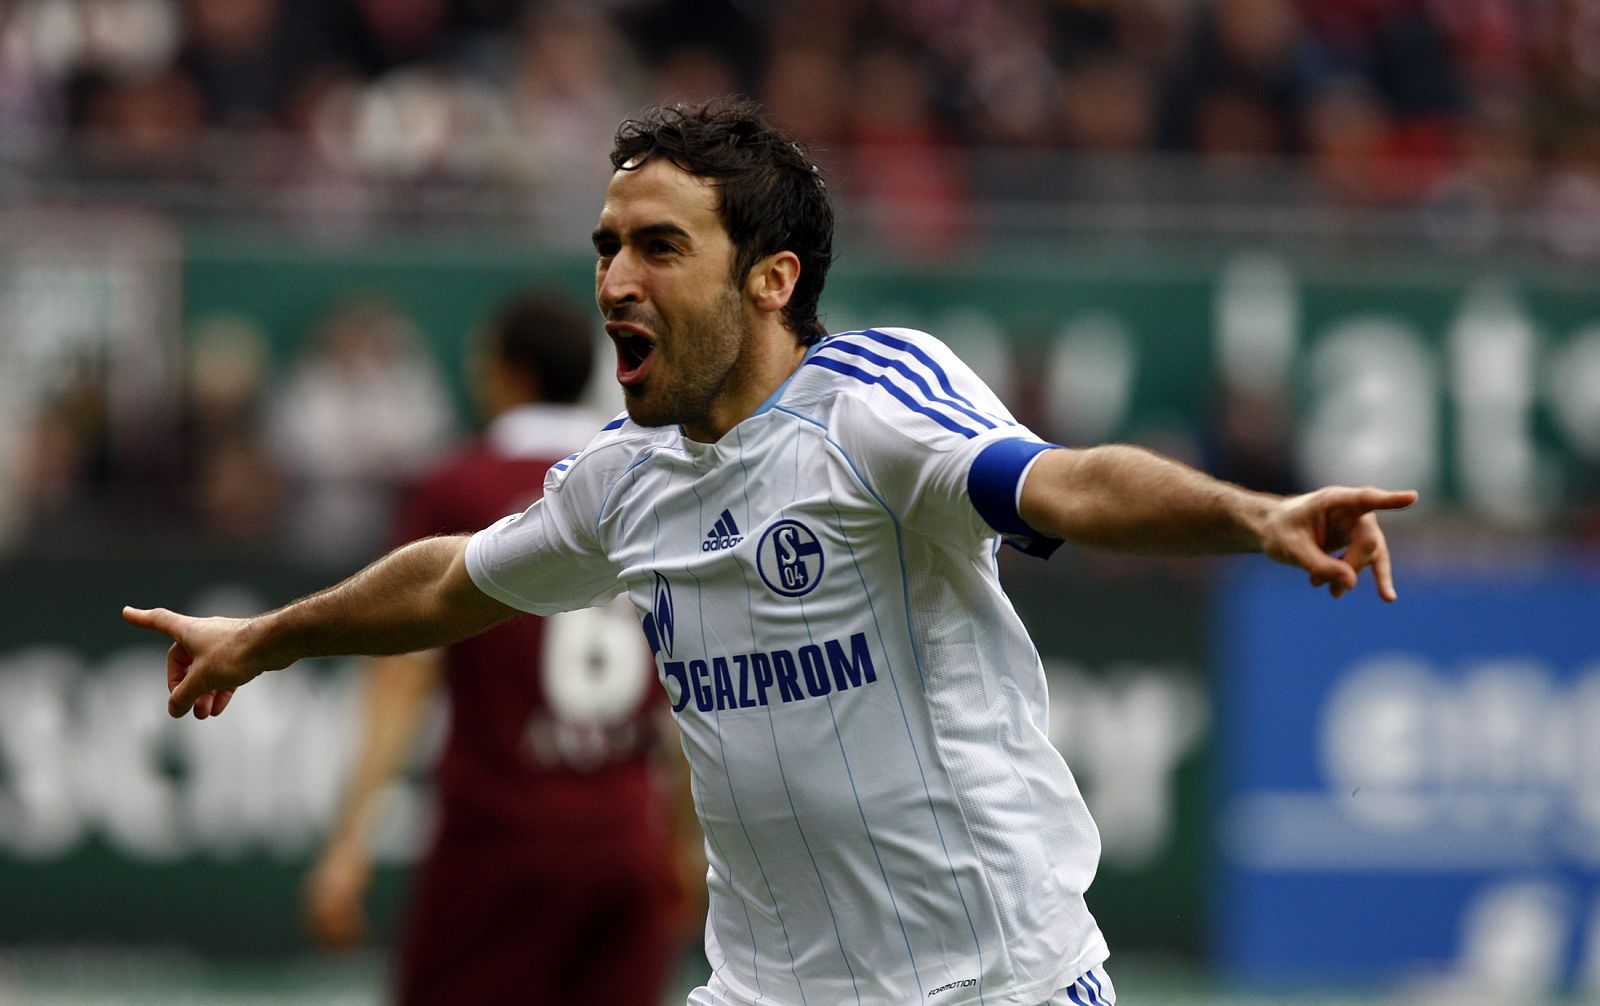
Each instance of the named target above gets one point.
<point>708,356</point>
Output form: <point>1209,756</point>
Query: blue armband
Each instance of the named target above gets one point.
<point>994,484</point>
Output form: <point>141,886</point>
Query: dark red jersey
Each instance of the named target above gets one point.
<point>549,880</point>
<point>549,717</point>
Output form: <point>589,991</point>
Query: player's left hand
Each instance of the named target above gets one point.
<point>1333,534</point>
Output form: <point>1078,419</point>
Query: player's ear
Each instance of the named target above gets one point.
<point>771,281</point>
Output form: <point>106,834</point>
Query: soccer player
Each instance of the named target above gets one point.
<point>807,526</point>
<point>550,878</point>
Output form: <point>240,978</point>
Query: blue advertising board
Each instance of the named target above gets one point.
<point>1410,792</point>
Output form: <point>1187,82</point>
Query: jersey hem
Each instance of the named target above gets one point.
<point>1039,991</point>
<point>1032,994</point>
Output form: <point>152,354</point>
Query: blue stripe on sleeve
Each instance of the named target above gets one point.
<point>917,352</point>
<point>914,377</point>
<point>904,396</point>
<point>992,485</point>
<point>1099,992</point>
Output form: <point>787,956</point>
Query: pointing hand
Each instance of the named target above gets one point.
<point>203,664</point>
<point>1333,534</point>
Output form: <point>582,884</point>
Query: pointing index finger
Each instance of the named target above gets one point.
<point>1384,499</point>
<point>159,619</point>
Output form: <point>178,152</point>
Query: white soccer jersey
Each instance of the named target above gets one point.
<point>863,712</point>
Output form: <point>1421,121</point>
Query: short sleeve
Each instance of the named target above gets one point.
<point>546,559</point>
<point>932,439</point>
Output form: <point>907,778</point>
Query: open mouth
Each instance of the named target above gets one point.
<point>633,355</point>
<point>635,350</point>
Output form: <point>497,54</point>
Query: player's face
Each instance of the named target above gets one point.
<point>663,282</point>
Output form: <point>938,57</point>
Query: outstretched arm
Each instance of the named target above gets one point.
<point>1133,500</point>
<point>417,597</point>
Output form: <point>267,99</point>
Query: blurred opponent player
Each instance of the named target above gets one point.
<point>807,525</point>
<point>550,878</point>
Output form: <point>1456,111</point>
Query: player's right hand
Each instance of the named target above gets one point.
<point>202,667</point>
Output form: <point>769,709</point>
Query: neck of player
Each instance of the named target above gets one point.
<point>771,357</point>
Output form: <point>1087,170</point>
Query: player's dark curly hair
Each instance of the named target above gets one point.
<point>773,196</point>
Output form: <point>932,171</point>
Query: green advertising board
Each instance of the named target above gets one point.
<point>120,825</point>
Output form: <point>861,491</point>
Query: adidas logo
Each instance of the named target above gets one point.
<point>724,534</point>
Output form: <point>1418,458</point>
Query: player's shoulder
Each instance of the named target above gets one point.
<point>623,435</point>
<point>891,342</point>
<point>869,357</point>
<point>899,374</point>
<point>615,448</point>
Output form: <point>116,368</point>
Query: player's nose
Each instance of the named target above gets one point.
<point>619,282</point>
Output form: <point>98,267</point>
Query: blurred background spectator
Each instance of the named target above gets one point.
<point>363,410</point>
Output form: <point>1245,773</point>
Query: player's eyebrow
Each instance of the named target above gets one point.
<point>656,230</point>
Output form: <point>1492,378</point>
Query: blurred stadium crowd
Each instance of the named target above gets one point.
<point>300,462</point>
<point>1468,125</point>
<point>1476,105</point>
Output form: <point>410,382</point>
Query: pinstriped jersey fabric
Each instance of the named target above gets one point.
<point>862,711</point>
